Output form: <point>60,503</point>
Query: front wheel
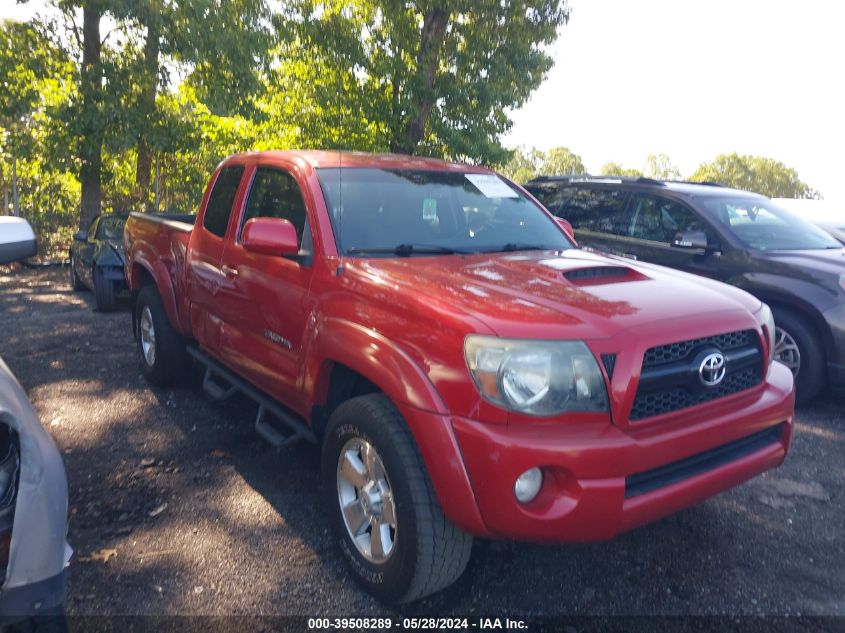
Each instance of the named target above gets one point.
<point>161,348</point>
<point>75,281</point>
<point>103,291</point>
<point>382,506</point>
<point>798,347</point>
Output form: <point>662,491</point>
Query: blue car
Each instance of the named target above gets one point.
<point>96,260</point>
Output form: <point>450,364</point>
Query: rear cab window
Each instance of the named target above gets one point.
<point>220,200</point>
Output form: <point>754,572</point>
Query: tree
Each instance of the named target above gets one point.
<point>523,164</point>
<point>433,78</point>
<point>660,166</point>
<point>562,161</point>
<point>615,169</point>
<point>221,44</point>
<point>29,58</point>
<point>755,173</point>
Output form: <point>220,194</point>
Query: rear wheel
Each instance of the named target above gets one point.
<point>103,291</point>
<point>382,506</point>
<point>798,347</point>
<point>161,349</point>
<point>75,281</point>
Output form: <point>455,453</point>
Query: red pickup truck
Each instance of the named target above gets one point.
<point>467,369</point>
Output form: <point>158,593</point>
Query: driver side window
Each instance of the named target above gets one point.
<point>659,220</point>
<point>275,194</point>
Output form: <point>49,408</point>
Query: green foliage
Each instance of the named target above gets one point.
<point>562,161</point>
<point>525,164</point>
<point>615,169</point>
<point>154,100</point>
<point>35,77</point>
<point>414,78</point>
<point>660,166</point>
<point>755,173</point>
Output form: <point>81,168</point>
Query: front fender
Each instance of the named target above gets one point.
<point>373,356</point>
<point>388,367</point>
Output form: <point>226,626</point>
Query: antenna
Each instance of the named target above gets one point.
<point>340,212</point>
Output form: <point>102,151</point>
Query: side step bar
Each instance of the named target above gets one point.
<point>220,383</point>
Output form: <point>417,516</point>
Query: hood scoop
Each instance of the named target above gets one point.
<point>594,275</point>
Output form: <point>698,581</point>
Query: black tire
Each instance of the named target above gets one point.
<point>103,291</point>
<point>429,553</point>
<point>170,362</point>
<point>810,378</point>
<point>75,281</point>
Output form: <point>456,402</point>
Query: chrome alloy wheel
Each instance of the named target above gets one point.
<point>148,337</point>
<point>786,351</point>
<point>366,500</point>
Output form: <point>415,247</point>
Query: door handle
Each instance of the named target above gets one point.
<point>230,272</point>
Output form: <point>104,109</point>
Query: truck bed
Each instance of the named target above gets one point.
<point>178,221</point>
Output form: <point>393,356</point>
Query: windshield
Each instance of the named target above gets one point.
<point>381,212</point>
<point>111,227</point>
<point>760,224</point>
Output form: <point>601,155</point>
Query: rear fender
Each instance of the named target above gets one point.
<point>147,259</point>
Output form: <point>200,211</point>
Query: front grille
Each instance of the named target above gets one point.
<point>669,377</point>
<point>649,480</point>
<point>676,351</point>
<point>650,404</point>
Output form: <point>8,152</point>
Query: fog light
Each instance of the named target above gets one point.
<point>528,485</point>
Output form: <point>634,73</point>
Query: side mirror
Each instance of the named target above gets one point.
<point>17,239</point>
<point>270,236</point>
<point>694,240</point>
<point>81,236</point>
<point>567,228</point>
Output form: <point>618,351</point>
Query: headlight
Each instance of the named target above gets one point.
<point>768,320</point>
<point>536,377</point>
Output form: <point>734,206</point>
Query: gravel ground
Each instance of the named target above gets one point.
<point>176,506</point>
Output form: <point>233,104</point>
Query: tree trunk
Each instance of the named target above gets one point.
<point>91,150</point>
<point>428,61</point>
<point>143,167</point>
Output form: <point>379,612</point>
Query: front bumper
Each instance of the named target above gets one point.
<point>45,597</point>
<point>589,468</point>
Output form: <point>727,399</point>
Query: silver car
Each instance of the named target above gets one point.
<point>33,487</point>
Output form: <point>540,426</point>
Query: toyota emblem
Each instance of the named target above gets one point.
<point>712,369</point>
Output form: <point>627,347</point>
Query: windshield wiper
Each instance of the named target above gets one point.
<point>406,250</point>
<point>521,246</point>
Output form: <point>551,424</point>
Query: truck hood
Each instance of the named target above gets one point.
<point>572,294</point>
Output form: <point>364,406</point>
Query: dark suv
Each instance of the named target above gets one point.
<point>734,236</point>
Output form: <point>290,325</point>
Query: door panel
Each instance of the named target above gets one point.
<point>263,299</point>
<point>652,225</point>
<point>205,250</point>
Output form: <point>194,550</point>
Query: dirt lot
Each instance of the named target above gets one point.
<point>178,508</point>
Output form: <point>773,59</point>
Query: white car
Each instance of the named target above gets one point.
<point>17,239</point>
<point>33,486</point>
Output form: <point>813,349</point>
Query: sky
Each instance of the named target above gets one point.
<point>691,80</point>
<point>694,80</point>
